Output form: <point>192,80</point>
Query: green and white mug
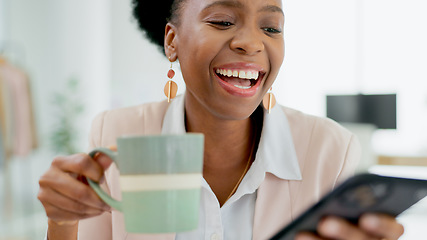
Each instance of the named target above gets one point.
<point>160,180</point>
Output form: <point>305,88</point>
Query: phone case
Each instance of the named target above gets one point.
<point>358,195</point>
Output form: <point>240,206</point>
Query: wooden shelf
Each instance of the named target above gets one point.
<point>402,160</point>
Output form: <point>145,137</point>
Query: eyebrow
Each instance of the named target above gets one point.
<point>227,3</point>
<point>272,8</point>
<point>237,4</point>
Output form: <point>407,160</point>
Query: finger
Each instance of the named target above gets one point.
<point>64,184</point>
<point>61,216</point>
<point>67,204</point>
<point>103,159</point>
<point>381,225</point>
<point>81,164</point>
<point>338,228</point>
<point>306,236</point>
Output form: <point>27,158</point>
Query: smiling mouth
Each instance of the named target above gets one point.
<point>242,79</point>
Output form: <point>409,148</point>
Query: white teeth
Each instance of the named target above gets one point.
<point>240,74</point>
<point>229,73</point>
<point>256,75</point>
<point>242,87</point>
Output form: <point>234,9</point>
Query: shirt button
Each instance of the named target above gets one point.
<point>214,236</point>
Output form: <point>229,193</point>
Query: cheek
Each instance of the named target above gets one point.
<point>279,52</point>
<point>196,53</point>
<point>204,45</point>
<point>276,54</point>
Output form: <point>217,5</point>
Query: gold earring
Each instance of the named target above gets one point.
<point>269,100</point>
<point>171,88</point>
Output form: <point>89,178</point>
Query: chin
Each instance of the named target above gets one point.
<point>234,111</point>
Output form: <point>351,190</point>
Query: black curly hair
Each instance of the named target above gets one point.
<point>153,15</point>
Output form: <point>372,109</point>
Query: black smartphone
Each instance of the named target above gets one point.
<point>364,193</point>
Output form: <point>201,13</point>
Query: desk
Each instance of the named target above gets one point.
<point>402,160</point>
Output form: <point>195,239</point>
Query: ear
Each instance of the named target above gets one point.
<point>171,40</point>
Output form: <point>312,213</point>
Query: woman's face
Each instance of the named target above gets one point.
<point>230,52</point>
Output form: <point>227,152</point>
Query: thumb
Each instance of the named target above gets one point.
<point>104,160</point>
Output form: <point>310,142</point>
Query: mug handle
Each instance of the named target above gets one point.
<point>95,186</point>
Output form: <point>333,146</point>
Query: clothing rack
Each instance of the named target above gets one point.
<point>17,126</point>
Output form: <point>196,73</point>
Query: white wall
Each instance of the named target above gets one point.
<point>138,67</point>
<point>396,59</point>
<point>350,47</point>
<point>63,39</point>
<point>2,18</point>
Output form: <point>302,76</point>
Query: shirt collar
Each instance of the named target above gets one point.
<point>173,122</point>
<point>276,152</point>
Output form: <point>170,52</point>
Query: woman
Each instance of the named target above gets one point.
<point>261,169</point>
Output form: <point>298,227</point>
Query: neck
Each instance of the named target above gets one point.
<point>230,146</point>
<point>227,142</point>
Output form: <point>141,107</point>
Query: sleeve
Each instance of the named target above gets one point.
<point>99,227</point>
<point>352,159</point>
<point>96,131</point>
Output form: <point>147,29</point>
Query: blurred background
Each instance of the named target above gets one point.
<point>62,62</point>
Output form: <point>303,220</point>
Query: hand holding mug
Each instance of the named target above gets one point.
<point>160,181</point>
<point>64,192</point>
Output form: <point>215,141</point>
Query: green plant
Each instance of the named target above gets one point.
<point>67,109</point>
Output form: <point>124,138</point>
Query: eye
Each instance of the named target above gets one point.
<point>221,24</point>
<point>271,30</point>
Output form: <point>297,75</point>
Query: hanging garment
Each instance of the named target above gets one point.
<point>19,120</point>
<point>2,125</point>
<point>6,114</point>
<point>2,152</point>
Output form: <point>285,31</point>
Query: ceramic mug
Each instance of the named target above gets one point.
<point>160,180</point>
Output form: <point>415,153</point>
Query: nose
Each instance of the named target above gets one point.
<point>247,41</point>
